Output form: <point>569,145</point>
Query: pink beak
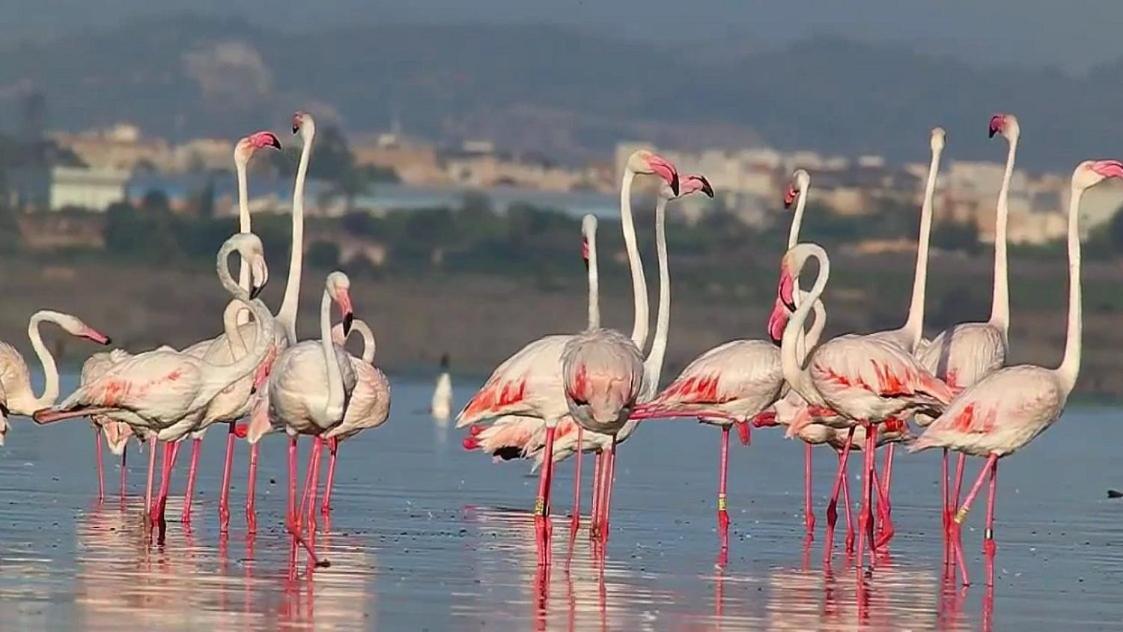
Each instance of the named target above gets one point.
<point>1109,168</point>
<point>664,169</point>
<point>787,290</point>
<point>96,336</point>
<point>789,196</point>
<point>997,122</point>
<point>343,298</point>
<point>777,322</point>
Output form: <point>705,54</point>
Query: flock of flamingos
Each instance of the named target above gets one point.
<point>564,395</point>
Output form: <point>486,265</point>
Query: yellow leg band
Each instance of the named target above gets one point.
<point>722,505</point>
<point>961,515</point>
<point>540,506</point>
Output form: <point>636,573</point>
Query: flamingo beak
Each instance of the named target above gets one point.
<point>777,322</point>
<point>343,297</point>
<point>1109,168</point>
<point>255,290</point>
<point>706,187</point>
<point>666,170</point>
<point>585,253</point>
<point>96,336</point>
<point>789,196</point>
<point>996,123</point>
<point>787,290</point>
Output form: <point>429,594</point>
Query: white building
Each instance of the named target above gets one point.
<point>55,188</point>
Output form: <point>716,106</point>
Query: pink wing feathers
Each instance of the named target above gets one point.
<point>521,384</point>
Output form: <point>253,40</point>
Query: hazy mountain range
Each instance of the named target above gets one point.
<point>565,92</point>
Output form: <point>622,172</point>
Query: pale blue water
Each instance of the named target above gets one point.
<point>426,536</point>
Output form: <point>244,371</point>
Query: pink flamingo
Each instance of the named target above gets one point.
<point>307,392</point>
<point>865,379</point>
<point>1005,410</point>
<point>963,354</point>
<point>529,383</point>
<point>734,382</point>
<point>369,406</point>
<point>161,389</point>
<point>16,394</point>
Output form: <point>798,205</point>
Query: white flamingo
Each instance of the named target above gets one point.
<point>530,382</point>
<point>865,379</point>
<point>964,353</point>
<point>441,405</point>
<point>1005,410</point>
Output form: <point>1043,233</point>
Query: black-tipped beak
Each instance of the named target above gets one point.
<point>275,142</point>
<point>992,132</point>
<point>674,183</point>
<point>108,341</point>
<point>706,188</point>
<point>295,129</point>
<point>255,290</point>
<point>348,319</point>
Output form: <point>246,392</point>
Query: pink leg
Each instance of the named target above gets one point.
<point>291,518</point>
<point>723,472</point>
<point>151,474</point>
<point>575,518</point>
<point>315,467</point>
<point>333,448</point>
<point>832,505</point>
<point>886,498</point>
<point>945,494</point>
<point>598,481</point>
<point>196,449</point>
<point>542,502</point>
<point>100,467</point>
<point>170,449</point>
<point>224,493</point>
<point>989,546</point>
<point>808,514</point>
<point>954,494</point>
<point>302,509</point>
<point>251,492</point>
<point>865,516</point>
<point>885,529</point>
<point>961,514</point>
<point>609,483</point>
<point>849,543</point>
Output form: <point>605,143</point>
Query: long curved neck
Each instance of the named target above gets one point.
<point>915,324</point>
<point>364,330</point>
<point>1070,365</point>
<point>220,376</point>
<point>231,325</point>
<point>222,266</point>
<point>639,281</point>
<point>244,227</point>
<point>333,407</point>
<point>793,367</point>
<point>797,219</point>
<point>653,365</point>
<point>1000,302</point>
<point>289,304</point>
<point>50,369</point>
<point>806,342</point>
<point>594,283</point>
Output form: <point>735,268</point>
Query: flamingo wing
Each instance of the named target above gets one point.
<point>13,369</point>
<point>516,384</point>
<point>876,367</point>
<point>963,354</point>
<point>157,384</point>
<point>735,371</point>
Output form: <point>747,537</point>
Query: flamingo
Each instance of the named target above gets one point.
<point>962,354</point>
<point>529,383</point>
<point>232,403</point>
<point>369,406</point>
<point>867,380</point>
<point>604,372</point>
<point>1006,409</point>
<point>736,381</point>
<point>441,406</point>
<point>159,390</point>
<point>16,394</point>
<point>308,389</point>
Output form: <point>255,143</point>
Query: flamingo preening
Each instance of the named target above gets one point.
<point>965,353</point>
<point>1006,409</point>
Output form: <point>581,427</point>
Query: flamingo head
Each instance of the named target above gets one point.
<point>75,327</point>
<point>1004,124</point>
<point>339,289</point>
<point>694,183</point>
<point>588,235</point>
<point>798,186</point>
<point>602,398</point>
<point>248,145</point>
<point>778,321</point>
<point>116,436</point>
<point>1092,172</point>
<point>248,245</point>
<point>937,140</point>
<point>303,124</point>
<point>649,163</point>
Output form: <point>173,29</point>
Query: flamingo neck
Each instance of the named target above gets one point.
<point>364,330</point>
<point>639,281</point>
<point>1000,302</point>
<point>795,372</point>
<point>222,266</point>
<point>50,369</point>
<point>221,376</point>
<point>653,365</point>
<point>244,227</point>
<point>594,282</point>
<point>915,324</point>
<point>797,218</point>
<point>1070,365</point>
<point>807,342</point>
<point>333,407</point>
<point>290,303</point>
<point>231,325</point>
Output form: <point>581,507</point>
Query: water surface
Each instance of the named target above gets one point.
<point>426,536</point>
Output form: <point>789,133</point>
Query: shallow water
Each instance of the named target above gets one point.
<point>426,536</point>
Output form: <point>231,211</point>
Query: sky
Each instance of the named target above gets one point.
<point>1073,36</point>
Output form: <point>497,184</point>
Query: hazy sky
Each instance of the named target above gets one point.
<point>1073,35</point>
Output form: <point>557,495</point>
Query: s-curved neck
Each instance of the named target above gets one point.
<point>222,266</point>
<point>653,365</point>
<point>915,324</point>
<point>333,407</point>
<point>289,304</point>
<point>364,330</point>
<point>1070,365</point>
<point>232,319</point>
<point>795,372</point>
<point>221,376</point>
<point>806,342</point>
<point>639,281</point>
<point>50,369</point>
<point>1000,302</point>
